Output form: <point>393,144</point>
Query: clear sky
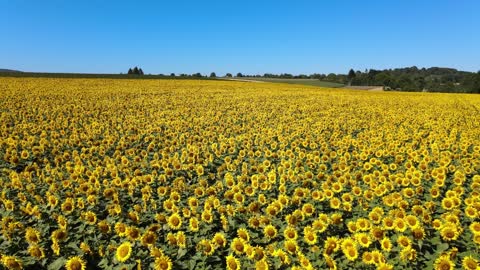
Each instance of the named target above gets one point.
<point>238,36</point>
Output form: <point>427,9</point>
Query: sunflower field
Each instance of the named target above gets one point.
<point>192,174</point>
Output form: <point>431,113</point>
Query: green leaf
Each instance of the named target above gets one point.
<point>442,247</point>
<point>57,264</point>
<point>103,263</point>
<point>181,253</point>
<point>74,247</point>
<point>191,264</point>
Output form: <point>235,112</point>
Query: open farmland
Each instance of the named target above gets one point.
<point>180,174</point>
<point>310,82</point>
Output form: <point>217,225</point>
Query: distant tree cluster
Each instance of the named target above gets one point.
<point>135,71</point>
<point>433,79</point>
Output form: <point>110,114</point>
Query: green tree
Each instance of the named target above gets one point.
<point>130,71</point>
<point>228,75</point>
<point>136,71</point>
<point>332,77</point>
<point>383,78</point>
<point>351,76</point>
<point>213,75</point>
<point>239,75</point>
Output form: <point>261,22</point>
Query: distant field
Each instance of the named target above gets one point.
<point>313,82</point>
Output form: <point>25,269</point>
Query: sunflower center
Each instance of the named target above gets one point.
<point>76,265</point>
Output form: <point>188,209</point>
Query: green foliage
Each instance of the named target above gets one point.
<point>414,79</point>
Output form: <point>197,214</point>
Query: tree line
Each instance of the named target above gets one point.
<point>413,79</point>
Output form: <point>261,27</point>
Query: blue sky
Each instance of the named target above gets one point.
<point>238,36</point>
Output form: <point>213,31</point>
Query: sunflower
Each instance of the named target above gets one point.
<point>384,266</point>
<point>250,252</point>
<point>404,241</point>
<point>449,232</point>
<point>120,229</point>
<point>68,206</point>
<point>36,251</point>
<point>85,248</point>
<point>290,233</point>
<point>224,222</point>
<point>351,253</point>
<point>103,226</point>
<point>219,240</point>
<point>238,245</point>
<point>471,212</point>
<point>291,246</point>
<point>259,253</point>
<point>475,227</point>
<point>124,251</point>
<point>261,265</point>
<point>400,225</point>
<point>75,263</point>
<point>319,225</point>
<point>437,224</point>
<point>331,263</point>
<point>408,254</point>
<point>412,221</point>
<point>388,223</point>
<point>133,233</point>
<point>62,222</point>
<point>418,233</point>
<point>148,238</point>
<point>192,202</point>
<point>90,217</point>
<point>174,221</point>
<point>331,245</point>
<point>271,210</point>
<point>32,235</point>
<point>386,244</point>
<point>308,209</point>
<point>375,217</point>
<point>207,216</point>
<point>163,263</point>
<point>367,258</point>
<point>193,224</point>
<point>172,239</point>
<point>206,247</point>
<point>232,263</point>
<point>335,203</point>
<point>52,201</point>
<point>347,243</point>
<point>310,236</point>
<point>270,232</point>
<point>243,233</point>
<point>447,204</point>
<point>282,255</point>
<point>156,252</point>
<point>55,248</point>
<point>11,262</point>
<point>363,239</point>
<point>377,233</point>
<point>59,235</point>
<point>469,263</point>
<point>444,263</point>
